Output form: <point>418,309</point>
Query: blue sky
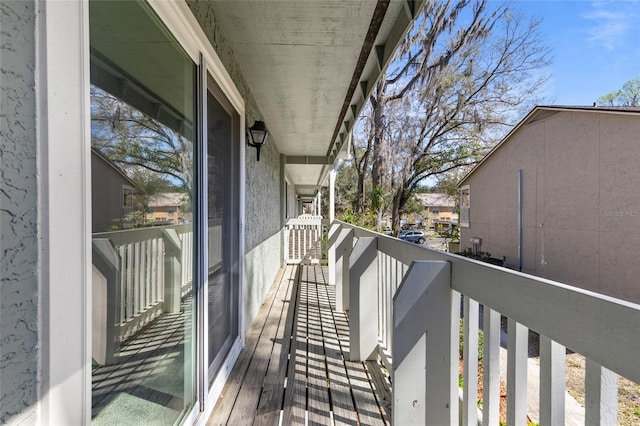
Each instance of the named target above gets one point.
<point>595,45</point>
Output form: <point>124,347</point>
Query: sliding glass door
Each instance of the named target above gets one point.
<point>223,234</point>
<point>165,161</point>
<point>143,133</point>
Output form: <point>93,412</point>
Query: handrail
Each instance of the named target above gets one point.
<point>153,274</point>
<point>603,329</point>
<point>303,239</point>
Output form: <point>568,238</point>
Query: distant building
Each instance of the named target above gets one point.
<point>559,198</point>
<point>112,195</point>
<point>439,208</point>
<point>168,208</point>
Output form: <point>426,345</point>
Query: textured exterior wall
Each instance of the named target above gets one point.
<point>263,224</point>
<point>19,264</point>
<point>581,201</point>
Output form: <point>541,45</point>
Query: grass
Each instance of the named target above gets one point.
<point>628,391</point>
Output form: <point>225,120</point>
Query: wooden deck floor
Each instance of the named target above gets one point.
<point>294,369</point>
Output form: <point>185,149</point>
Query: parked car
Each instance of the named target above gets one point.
<point>413,236</point>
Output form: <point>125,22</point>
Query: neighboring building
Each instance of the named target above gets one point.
<point>192,77</point>
<point>559,198</point>
<point>168,207</point>
<point>113,195</point>
<point>439,208</point>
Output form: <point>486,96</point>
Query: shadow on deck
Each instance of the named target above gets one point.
<point>147,379</point>
<point>294,368</point>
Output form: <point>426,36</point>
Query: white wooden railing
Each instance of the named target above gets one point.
<point>404,305</point>
<point>303,239</point>
<point>139,274</point>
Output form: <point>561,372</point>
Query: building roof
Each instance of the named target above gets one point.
<point>437,200</point>
<point>544,111</point>
<point>95,152</point>
<point>168,199</point>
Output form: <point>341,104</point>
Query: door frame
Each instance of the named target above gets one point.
<point>63,56</point>
<point>183,25</point>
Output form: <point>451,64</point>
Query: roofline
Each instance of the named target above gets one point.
<point>532,113</point>
<point>113,166</point>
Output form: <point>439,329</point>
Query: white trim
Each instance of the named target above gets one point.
<point>241,220</point>
<point>178,18</point>
<point>64,129</point>
<point>218,384</point>
<point>468,222</point>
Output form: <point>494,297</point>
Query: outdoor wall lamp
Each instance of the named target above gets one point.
<point>257,136</point>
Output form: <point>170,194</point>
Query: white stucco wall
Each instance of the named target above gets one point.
<point>19,230</point>
<point>263,188</point>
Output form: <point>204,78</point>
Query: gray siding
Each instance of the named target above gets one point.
<point>19,233</point>
<point>581,216</point>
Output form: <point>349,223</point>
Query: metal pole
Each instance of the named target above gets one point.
<point>520,208</point>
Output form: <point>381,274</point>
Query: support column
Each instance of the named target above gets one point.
<point>332,194</point>
<point>319,203</point>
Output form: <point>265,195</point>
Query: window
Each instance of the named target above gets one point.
<point>465,206</point>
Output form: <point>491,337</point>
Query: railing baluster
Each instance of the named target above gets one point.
<point>147,274</point>
<point>154,270</point>
<point>552,382</point>
<point>601,397</point>
<point>491,367</point>
<point>129,297</point>
<point>517,347</point>
<point>470,356</point>
<point>122,250</point>
<point>160,258</point>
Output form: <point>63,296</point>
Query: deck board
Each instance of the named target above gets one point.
<point>230,392</point>
<point>269,407</point>
<point>293,367</point>
<point>344,411</point>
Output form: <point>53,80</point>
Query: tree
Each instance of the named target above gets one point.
<point>133,140</point>
<point>628,96</point>
<point>461,77</point>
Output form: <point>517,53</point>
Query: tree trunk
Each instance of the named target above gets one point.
<point>359,207</point>
<point>377,169</point>
<point>400,197</point>
<point>378,166</point>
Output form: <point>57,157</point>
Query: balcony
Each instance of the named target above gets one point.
<point>325,335</point>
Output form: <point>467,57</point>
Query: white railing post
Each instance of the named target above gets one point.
<point>491,367</point>
<point>344,247</point>
<point>552,382</point>
<point>105,301</point>
<point>517,351</point>
<point>601,397</point>
<point>172,270</point>
<point>470,370</point>
<point>363,299</point>
<point>332,238</point>
<point>425,347</point>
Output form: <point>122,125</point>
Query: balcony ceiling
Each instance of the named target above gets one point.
<point>309,65</point>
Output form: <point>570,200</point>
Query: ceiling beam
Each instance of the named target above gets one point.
<point>303,159</point>
<point>374,27</point>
